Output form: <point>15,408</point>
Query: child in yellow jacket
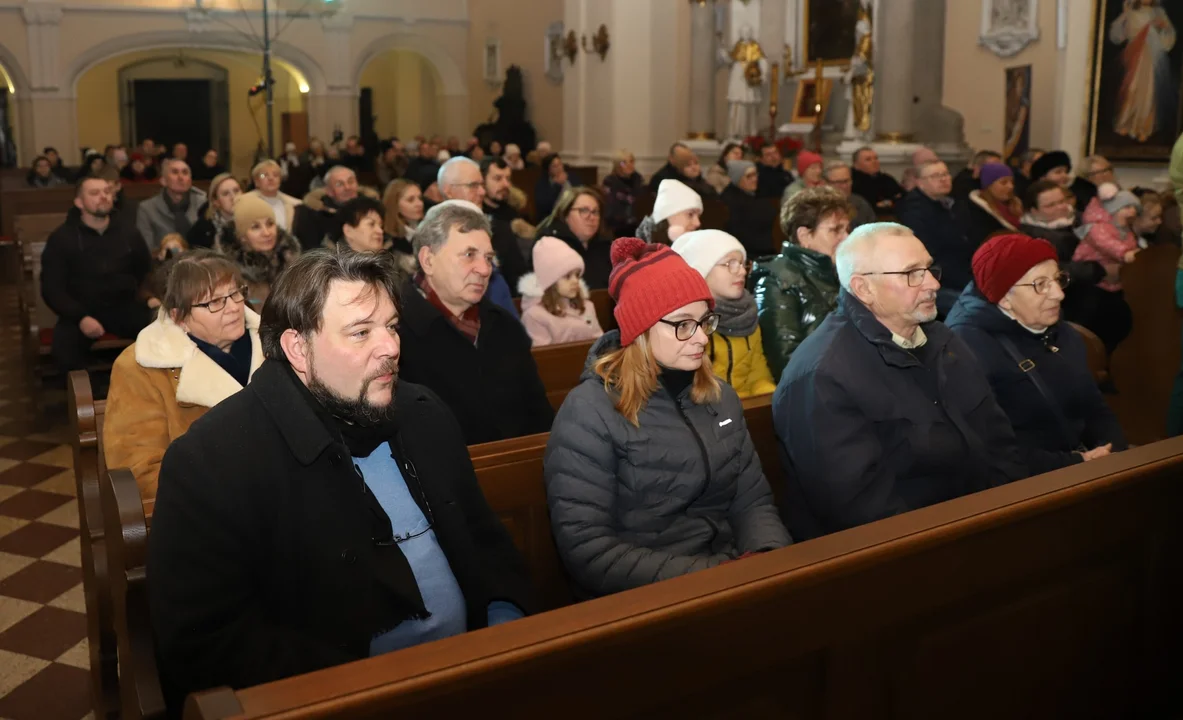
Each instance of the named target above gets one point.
<point>737,349</point>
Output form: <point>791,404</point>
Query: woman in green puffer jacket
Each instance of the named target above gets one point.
<point>797,289</point>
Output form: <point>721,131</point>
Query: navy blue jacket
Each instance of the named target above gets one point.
<point>868,429</point>
<point>1062,364</point>
<point>942,230</point>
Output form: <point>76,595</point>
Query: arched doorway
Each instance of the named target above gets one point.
<point>196,92</point>
<point>102,95</point>
<point>406,94</point>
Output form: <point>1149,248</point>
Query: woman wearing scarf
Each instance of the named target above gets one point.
<point>994,208</point>
<point>257,245</point>
<point>217,213</point>
<point>736,349</point>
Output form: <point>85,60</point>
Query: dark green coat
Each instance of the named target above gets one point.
<point>794,292</point>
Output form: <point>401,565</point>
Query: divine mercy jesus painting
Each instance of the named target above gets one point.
<point>1139,67</point>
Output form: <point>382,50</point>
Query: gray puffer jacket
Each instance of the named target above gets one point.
<point>630,506</point>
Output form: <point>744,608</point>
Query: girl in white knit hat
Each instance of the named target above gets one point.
<point>556,305</point>
<point>677,210</point>
<point>737,347</point>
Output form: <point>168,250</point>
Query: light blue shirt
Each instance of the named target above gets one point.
<point>437,584</point>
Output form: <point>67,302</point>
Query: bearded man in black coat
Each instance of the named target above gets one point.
<point>326,513</point>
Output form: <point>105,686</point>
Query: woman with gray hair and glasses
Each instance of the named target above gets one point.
<point>203,348</point>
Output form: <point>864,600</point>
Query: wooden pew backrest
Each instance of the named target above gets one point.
<point>86,421</point>
<point>560,366</point>
<point>1144,365</point>
<point>941,612</point>
<point>126,538</point>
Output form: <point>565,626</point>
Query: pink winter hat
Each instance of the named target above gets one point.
<point>553,259</point>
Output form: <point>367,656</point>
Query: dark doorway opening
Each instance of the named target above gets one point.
<point>173,111</point>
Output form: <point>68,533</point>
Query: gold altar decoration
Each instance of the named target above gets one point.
<point>862,85</point>
<point>749,53</point>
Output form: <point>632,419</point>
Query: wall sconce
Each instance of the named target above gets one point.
<point>571,47</point>
<point>600,43</point>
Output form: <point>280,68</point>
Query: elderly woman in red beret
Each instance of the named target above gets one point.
<point>1010,317</point>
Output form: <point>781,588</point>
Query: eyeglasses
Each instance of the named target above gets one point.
<point>915,277</point>
<point>734,266</point>
<point>1044,284</point>
<point>685,329</point>
<point>469,186</point>
<point>1099,171</point>
<point>268,176</point>
<point>218,304</point>
<point>937,176</point>
<point>586,212</point>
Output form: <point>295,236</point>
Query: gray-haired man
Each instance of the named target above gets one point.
<point>882,409</point>
<point>473,353</point>
<point>174,210</point>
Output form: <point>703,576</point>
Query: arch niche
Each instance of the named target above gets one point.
<point>17,113</point>
<point>418,88</point>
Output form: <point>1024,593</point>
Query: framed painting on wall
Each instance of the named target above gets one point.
<point>829,31</point>
<point>1135,108</point>
<point>808,100</point>
<point>1016,123</point>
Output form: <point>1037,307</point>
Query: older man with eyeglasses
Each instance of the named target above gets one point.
<point>1036,364</point>
<point>882,410</point>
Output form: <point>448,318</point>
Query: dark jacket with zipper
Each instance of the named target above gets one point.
<point>597,256</point>
<point>86,273</point>
<point>492,387</point>
<point>750,220</point>
<point>939,226</point>
<point>1059,359</point>
<point>869,430</point>
<point>795,291</point>
<point>263,556</point>
<point>682,492</point>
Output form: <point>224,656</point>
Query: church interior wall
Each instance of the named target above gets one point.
<point>406,89</point>
<point>97,99</point>
<point>520,26</point>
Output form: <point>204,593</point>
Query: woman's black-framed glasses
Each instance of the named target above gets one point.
<point>1043,285</point>
<point>915,277</point>
<point>218,304</point>
<point>685,329</point>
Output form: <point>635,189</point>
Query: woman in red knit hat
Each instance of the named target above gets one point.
<point>1010,317</point>
<point>650,471</point>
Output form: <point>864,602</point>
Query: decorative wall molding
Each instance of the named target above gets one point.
<point>1008,26</point>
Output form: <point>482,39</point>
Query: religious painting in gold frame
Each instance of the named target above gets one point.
<point>805,103</point>
<point>829,31</point>
<point>1136,107</point>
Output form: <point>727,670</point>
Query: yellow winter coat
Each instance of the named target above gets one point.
<point>740,362</point>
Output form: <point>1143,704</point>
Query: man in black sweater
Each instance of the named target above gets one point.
<point>933,216</point>
<point>92,269</point>
<point>513,261</point>
<point>875,186</point>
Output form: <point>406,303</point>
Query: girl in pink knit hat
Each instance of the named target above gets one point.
<point>556,306</point>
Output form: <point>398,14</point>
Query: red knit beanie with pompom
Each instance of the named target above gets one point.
<point>648,282</point>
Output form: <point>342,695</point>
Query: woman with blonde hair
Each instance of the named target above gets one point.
<point>650,471</point>
<point>218,212</point>
<point>577,220</point>
<point>203,348</point>
<point>404,208</point>
<point>267,176</point>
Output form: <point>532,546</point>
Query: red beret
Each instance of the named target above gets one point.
<point>1001,261</point>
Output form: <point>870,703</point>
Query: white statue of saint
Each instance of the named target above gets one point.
<point>745,89</point>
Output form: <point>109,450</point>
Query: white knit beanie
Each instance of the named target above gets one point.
<point>674,197</point>
<point>703,249</point>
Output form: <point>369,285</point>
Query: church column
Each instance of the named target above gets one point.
<point>51,104</point>
<point>337,107</point>
<point>895,41</point>
<point>703,46</point>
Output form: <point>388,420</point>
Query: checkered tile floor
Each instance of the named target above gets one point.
<point>43,649</point>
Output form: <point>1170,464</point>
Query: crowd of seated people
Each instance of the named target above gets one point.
<point>912,341</point>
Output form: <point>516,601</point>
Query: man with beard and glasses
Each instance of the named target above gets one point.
<point>461,344</point>
<point>882,410</point>
<point>329,511</point>
<point>92,271</point>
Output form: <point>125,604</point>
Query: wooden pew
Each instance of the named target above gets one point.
<point>126,532</point>
<point>1006,603</point>
<point>560,366</point>
<point>1094,348</point>
<point>1144,365</point>
<point>604,307</point>
<point>86,426</point>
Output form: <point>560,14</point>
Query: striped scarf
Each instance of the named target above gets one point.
<point>468,323</point>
